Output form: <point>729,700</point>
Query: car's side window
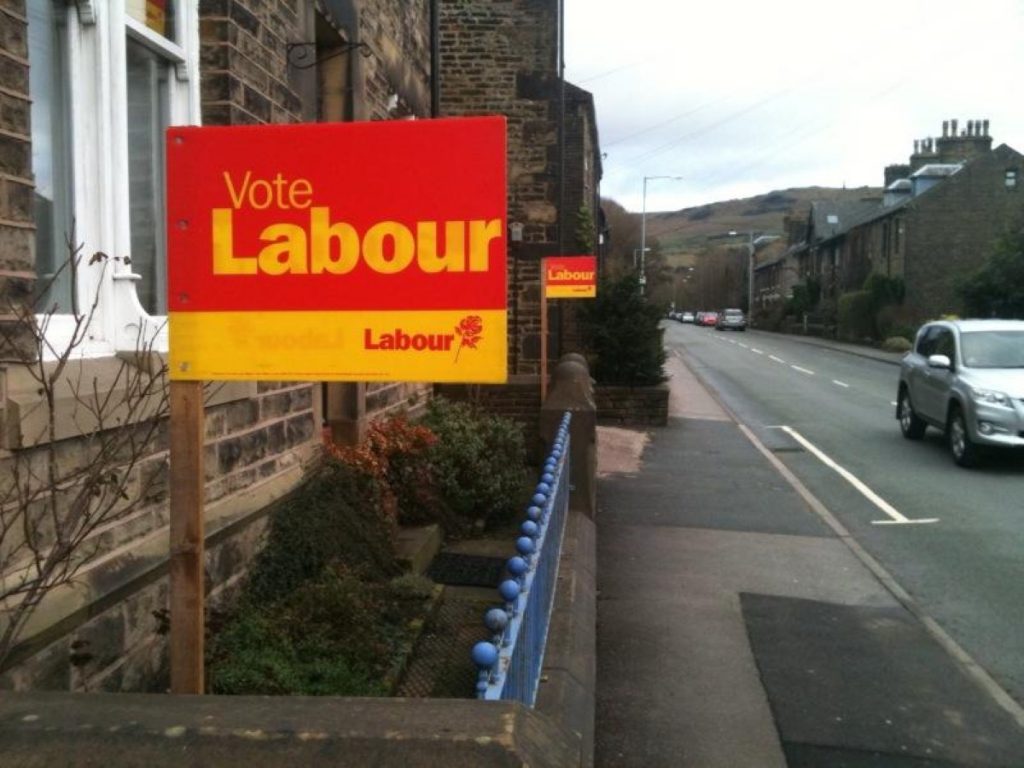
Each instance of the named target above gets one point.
<point>926,341</point>
<point>945,344</point>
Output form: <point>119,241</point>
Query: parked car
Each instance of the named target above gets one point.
<point>687,317</point>
<point>709,319</point>
<point>966,378</point>
<point>731,320</point>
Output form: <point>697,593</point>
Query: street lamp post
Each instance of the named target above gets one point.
<point>750,274</point>
<point>643,229</point>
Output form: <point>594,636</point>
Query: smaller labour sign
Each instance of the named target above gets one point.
<point>338,251</point>
<point>570,277</point>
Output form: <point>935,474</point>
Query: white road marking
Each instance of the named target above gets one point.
<point>896,518</point>
<point>743,345</point>
<point>839,383</point>
<point>776,359</point>
<point>802,370</point>
<point>756,351</point>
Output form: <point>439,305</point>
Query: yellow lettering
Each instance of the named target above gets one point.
<point>480,235</point>
<point>300,187</point>
<point>322,234</point>
<point>402,251</point>
<point>237,196</point>
<point>287,254</point>
<point>454,258</point>
<point>224,260</point>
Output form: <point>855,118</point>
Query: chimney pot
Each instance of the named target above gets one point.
<point>917,147</point>
<point>952,124</point>
<point>945,128</point>
<point>984,126</point>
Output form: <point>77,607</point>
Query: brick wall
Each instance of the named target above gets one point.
<point>500,57</point>
<point>243,60</point>
<point>17,231</point>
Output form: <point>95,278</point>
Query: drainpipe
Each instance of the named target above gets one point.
<point>435,58</point>
<point>561,164</point>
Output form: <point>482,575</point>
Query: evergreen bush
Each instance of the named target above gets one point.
<point>621,329</point>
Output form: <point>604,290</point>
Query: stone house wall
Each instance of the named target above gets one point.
<point>500,57</point>
<point>950,230</point>
<point>108,630</point>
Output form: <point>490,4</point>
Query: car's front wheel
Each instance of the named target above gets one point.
<point>965,452</point>
<point>911,424</point>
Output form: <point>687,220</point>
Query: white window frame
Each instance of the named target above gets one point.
<point>97,60</point>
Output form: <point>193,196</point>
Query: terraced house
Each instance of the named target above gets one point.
<point>87,89</point>
<point>936,222</point>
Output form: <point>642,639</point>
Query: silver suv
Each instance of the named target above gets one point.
<point>965,377</point>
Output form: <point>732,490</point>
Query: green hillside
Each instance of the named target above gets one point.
<point>683,233</point>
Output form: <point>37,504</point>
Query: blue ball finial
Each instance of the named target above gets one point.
<point>496,620</point>
<point>524,545</point>
<point>530,528</point>
<point>485,654</point>
<point>509,589</point>
<point>517,566</point>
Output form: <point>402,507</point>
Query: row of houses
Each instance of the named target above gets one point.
<point>87,89</point>
<point>935,223</point>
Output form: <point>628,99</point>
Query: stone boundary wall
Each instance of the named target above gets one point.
<point>632,406</point>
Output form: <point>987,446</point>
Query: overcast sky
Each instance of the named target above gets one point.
<point>742,97</point>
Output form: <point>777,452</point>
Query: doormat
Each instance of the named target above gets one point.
<point>466,570</point>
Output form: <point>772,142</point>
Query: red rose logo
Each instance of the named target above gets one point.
<point>470,331</point>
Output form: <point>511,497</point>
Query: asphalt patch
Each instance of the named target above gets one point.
<point>466,570</point>
<point>864,687</point>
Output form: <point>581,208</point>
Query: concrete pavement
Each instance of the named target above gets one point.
<point>737,628</point>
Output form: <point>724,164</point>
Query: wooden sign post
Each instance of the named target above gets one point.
<point>186,556</point>
<point>543,333</point>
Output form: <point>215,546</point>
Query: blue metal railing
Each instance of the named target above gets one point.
<point>510,663</point>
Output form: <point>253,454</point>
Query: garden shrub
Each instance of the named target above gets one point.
<point>335,517</point>
<point>897,344</point>
<point>337,635</point>
<point>855,316</point>
<point>395,453</point>
<point>622,331</point>
<point>478,463</point>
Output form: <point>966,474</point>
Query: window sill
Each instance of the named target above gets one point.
<point>24,418</point>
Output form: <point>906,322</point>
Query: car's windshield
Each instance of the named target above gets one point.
<point>733,313</point>
<point>993,349</point>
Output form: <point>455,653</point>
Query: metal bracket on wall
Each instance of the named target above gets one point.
<point>86,11</point>
<point>304,55</point>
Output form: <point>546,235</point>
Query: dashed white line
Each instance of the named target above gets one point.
<point>802,370</point>
<point>776,359</point>
<point>743,345</point>
<point>896,518</point>
<point>756,351</point>
<point>839,383</point>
